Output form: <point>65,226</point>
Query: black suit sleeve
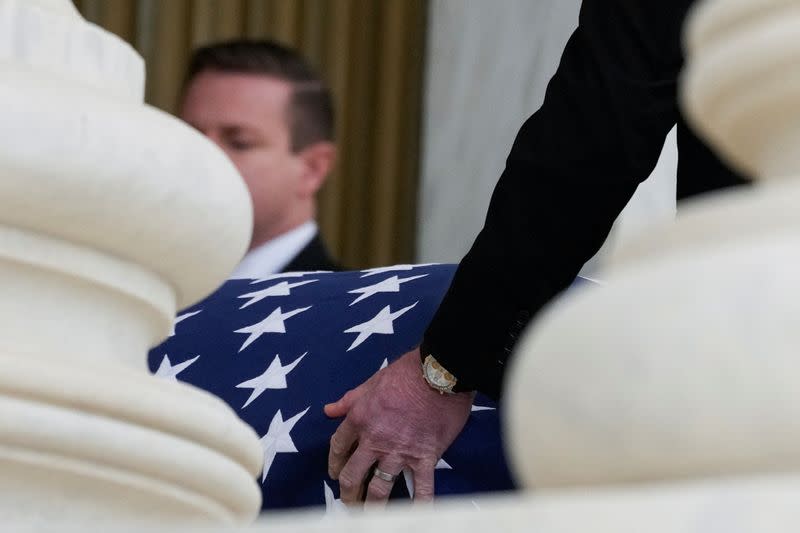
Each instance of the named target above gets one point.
<point>699,170</point>
<point>573,167</point>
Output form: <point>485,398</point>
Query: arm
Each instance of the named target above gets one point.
<point>574,166</point>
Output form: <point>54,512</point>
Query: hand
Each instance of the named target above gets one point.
<point>393,420</point>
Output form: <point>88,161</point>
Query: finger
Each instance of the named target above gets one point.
<point>379,489</point>
<point>342,406</point>
<point>353,476</point>
<point>423,482</point>
<point>341,446</point>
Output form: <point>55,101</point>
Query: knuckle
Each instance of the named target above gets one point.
<point>346,482</point>
<point>427,463</point>
<point>379,491</point>
<point>423,493</point>
<point>358,413</point>
<point>337,448</point>
<point>361,422</point>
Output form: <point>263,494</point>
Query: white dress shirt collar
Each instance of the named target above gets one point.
<point>272,256</point>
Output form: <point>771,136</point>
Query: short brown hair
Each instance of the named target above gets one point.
<point>310,112</point>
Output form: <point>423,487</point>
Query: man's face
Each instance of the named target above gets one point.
<point>246,115</point>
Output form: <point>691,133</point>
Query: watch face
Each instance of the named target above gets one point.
<point>437,375</point>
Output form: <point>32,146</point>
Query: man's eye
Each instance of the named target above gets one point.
<point>240,145</point>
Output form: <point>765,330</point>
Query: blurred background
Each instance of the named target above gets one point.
<point>429,96</point>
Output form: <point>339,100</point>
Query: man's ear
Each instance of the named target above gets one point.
<point>318,161</point>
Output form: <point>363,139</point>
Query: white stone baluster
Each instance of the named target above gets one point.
<point>686,365</point>
<point>112,216</point>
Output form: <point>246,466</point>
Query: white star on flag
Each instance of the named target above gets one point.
<point>277,440</point>
<point>408,475</point>
<point>475,408</point>
<point>288,275</point>
<point>394,268</point>
<point>181,318</point>
<point>283,288</point>
<point>333,505</point>
<point>381,323</point>
<point>273,378</point>
<point>388,285</point>
<point>274,323</point>
<point>169,372</point>
<point>384,364</point>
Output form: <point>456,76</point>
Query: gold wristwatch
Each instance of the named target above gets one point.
<point>437,376</point>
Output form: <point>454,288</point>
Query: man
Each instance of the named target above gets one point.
<point>273,116</point>
<point>573,167</point>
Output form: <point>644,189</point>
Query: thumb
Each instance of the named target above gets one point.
<point>342,406</point>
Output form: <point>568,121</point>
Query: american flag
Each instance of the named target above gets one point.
<point>277,349</point>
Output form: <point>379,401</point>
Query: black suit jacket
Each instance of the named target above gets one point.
<point>314,256</point>
<point>573,167</point>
